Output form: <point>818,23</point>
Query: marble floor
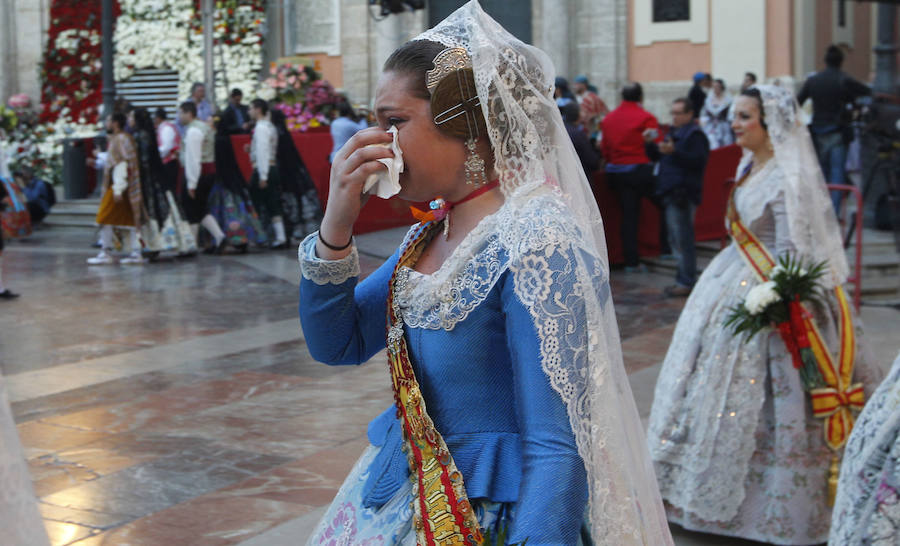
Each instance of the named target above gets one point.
<point>176,403</point>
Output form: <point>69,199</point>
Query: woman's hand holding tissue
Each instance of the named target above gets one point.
<point>351,167</point>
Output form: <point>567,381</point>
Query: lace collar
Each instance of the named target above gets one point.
<point>447,296</point>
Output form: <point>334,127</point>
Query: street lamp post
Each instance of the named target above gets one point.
<point>109,81</point>
<point>208,44</point>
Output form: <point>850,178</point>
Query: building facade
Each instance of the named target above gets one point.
<point>660,43</point>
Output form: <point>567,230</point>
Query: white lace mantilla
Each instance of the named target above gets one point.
<point>324,272</point>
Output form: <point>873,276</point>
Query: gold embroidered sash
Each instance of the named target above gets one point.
<point>834,402</point>
<point>443,514</point>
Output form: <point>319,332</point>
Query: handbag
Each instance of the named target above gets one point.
<point>15,218</point>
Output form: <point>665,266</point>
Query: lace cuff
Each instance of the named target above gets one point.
<point>322,271</point>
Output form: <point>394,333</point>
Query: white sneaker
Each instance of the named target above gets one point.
<point>133,259</point>
<point>101,259</point>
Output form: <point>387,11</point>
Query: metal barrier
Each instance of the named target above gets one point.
<point>856,230</point>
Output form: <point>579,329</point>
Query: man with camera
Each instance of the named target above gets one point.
<point>831,90</point>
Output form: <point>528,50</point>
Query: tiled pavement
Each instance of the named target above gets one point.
<point>177,404</point>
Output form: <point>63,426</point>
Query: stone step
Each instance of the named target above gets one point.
<point>66,217</point>
<point>883,288</point>
<point>75,208</point>
<point>73,214</point>
<point>87,223</point>
<point>884,263</point>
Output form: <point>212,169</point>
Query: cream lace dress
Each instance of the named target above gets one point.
<point>20,520</point>
<point>736,449</point>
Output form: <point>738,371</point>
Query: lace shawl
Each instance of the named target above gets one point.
<point>813,225</point>
<point>559,265</point>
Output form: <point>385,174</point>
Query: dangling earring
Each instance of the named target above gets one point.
<point>475,174</point>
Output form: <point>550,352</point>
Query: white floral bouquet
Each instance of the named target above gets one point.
<point>778,303</point>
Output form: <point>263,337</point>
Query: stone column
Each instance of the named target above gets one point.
<point>599,34</point>
<point>355,28</point>
<point>886,50</point>
<point>550,28</point>
<point>30,19</point>
<point>9,83</point>
<point>109,83</point>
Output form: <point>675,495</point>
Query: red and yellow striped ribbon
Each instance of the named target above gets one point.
<point>443,514</point>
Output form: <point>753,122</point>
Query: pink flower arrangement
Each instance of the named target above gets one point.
<point>19,101</point>
<point>302,95</point>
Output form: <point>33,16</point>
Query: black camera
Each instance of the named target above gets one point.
<point>880,118</point>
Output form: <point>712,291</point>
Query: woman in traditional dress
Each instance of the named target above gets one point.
<point>229,200</point>
<point>19,516</point>
<point>714,116</point>
<point>164,230</point>
<point>515,410</point>
<point>867,510</point>
<point>737,448</point>
<point>300,200</point>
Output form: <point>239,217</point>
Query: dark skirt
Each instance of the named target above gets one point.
<point>195,208</point>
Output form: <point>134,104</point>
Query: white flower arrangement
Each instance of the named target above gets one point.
<point>761,296</point>
<point>158,34</point>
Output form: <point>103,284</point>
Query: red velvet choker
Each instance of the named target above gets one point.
<point>440,207</point>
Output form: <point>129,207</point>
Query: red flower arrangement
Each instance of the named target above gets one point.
<point>235,19</point>
<point>71,72</point>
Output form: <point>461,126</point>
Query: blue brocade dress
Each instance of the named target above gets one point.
<point>481,376</point>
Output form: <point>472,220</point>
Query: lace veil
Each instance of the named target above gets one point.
<point>811,219</point>
<point>550,231</point>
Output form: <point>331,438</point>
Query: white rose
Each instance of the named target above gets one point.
<point>760,296</point>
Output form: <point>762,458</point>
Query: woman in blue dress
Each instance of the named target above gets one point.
<point>513,412</point>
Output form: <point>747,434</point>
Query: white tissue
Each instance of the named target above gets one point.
<point>386,184</point>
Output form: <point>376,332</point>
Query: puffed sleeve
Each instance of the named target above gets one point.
<point>553,492</point>
<point>343,322</point>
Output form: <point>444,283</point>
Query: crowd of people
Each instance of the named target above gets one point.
<point>665,165</point>
<point>164,180</point>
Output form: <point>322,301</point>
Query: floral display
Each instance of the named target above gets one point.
<point>299,91</point>
<point>36,147</point>
<point>8,119</point>
<point>175,30</point>
<point>18,101</point>
<point>71,73</point>
<point>148,34</point>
